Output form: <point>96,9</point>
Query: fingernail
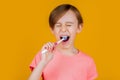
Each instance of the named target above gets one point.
<point>55,44</point>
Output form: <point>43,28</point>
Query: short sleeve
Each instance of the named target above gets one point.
<point>35,61</point>
<point>92,72</point>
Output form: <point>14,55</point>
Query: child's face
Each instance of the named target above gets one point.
<point>67,25</point>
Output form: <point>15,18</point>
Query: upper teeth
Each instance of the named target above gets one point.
<point>64,37</point>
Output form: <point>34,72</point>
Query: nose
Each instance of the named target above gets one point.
<point>63,29</point>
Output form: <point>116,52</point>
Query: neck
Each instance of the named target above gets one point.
<point>67,51</point>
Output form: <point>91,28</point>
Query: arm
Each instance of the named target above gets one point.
<point>45,58</point>
<point>37,72</point>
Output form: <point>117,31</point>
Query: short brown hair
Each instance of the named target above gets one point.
<point>60,10</point>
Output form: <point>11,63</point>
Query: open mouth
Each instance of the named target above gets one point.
<point>66,38</point>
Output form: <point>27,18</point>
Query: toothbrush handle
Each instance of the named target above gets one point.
<point>44,51</point>
<point>58,42</point>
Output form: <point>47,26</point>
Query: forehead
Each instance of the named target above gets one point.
<point>69,16</point>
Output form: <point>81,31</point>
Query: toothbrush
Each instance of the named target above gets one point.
<point>58,42</point>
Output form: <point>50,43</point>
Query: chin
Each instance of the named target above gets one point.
<point>65,46</point>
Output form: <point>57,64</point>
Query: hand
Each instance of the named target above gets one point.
<point>46,57</point>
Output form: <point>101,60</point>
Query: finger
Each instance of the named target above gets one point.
<point>48,45</point>
<point>44,47</point>
<point>51,46</point>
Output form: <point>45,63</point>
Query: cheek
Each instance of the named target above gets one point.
<point>56,33</point>
<point>73,29</point>
<point>73,32</point>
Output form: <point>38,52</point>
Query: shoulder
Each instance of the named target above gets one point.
<point>35,60</point>
<point>86,59</point>
<point>90,66</point>
<point>85,56</point>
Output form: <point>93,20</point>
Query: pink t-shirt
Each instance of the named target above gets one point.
<point>62,67</point>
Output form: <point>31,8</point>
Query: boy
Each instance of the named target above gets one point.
<point>63,61</point>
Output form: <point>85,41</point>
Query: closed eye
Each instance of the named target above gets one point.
<point>58,25</point>
<point>69,25</point>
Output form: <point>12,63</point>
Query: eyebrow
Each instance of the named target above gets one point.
<point>70,22</point>
<point>66,22</point>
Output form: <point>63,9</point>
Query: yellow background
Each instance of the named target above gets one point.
<point>24,29</point>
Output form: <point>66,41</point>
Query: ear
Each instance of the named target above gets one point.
<point>79,28</point>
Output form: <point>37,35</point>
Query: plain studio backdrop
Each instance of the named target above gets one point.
<point>24,29</point>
